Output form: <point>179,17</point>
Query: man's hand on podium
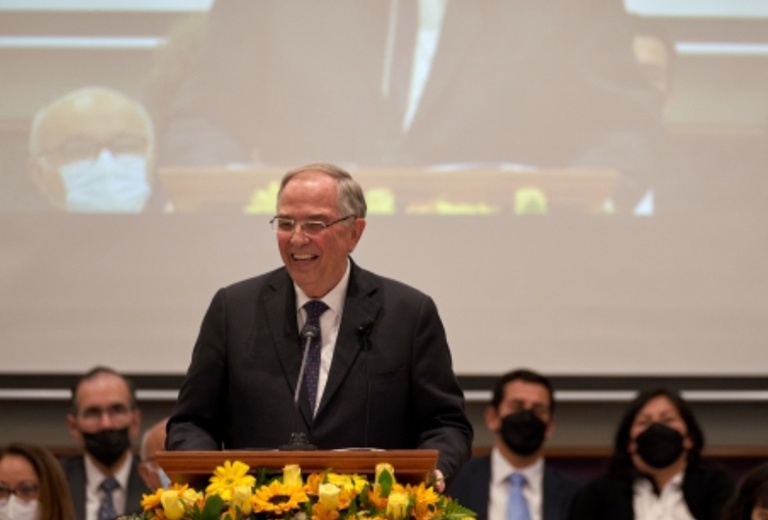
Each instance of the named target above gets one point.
<point>439,483</point>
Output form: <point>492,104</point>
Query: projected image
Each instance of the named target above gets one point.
<point>437,106</point>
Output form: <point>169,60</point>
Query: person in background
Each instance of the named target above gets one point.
<point>93,151</point>
<point>751,499</point>
<point>153,441</point>
<point>521,417</point>
<point>378,372</point>
<point>32,485</point>
<point>104,418</point>
<point>656,470</point>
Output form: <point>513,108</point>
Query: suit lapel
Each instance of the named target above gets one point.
<point>77,486</point>
<point>279,306</point>
<point>361,308</point>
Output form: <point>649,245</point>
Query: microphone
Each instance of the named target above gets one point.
<point>299,441</point>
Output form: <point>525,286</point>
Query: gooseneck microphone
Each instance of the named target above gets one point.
<point>299,441</point>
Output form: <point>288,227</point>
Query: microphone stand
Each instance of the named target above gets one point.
<point>298,440</point>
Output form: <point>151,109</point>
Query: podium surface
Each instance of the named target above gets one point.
<point>195,467</point>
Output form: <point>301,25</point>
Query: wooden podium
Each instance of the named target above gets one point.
<point>196,467</point>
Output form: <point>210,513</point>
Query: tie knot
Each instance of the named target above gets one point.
<point>518,480</point>
<point>109,484</point>
<point>314,309</point>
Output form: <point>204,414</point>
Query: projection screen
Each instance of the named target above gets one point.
<point>580,185</point>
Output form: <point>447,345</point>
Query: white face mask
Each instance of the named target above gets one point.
<point>16,509</point>
<point>107,184</point>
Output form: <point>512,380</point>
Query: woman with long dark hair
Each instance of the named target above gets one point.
<point>751,499</point>
<point>656,470</point>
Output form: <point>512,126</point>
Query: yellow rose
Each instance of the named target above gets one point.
<point>397,506</point>
<point>173,505</point>
<point>382,467</point>
<point>241,497</point>
<point>292,475</point>
<point>329,496</point>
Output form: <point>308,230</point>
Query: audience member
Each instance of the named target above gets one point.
<point>93,150</point>
<point>153,441</point>
<point>32,485</point>
<point>379,370</point>
<point>521,416</point>
<point>751,499</point>
<point>104,418</point>
<point>656,470</point>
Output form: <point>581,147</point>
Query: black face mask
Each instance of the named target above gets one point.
<point>659,445</point>
<point>107,446</point>
<point>523,432</point>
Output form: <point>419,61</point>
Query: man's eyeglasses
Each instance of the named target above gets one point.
<point>308,227</point>
<point>25,490</point>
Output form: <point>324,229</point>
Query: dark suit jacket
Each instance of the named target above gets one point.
<point>551,83</point>
<point>74,470</point>
<point>705,489</point>
<point>391,382</point>
<point>473,482</point>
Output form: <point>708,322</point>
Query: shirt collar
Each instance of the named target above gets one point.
<point>94,476</point>
<point>335,297</point>
<point>501,469</point>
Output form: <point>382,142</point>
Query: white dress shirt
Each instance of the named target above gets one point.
<point>533,491</point>
<point>94,495</point>
<point>329,325</point>
<point>669,505</point>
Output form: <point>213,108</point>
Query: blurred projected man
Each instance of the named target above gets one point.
<point>92,151</point>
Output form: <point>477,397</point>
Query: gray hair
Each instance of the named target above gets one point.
<point>351,198</point>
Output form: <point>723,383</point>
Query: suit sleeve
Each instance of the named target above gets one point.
<point>198,417</point>
<point>438,399</point>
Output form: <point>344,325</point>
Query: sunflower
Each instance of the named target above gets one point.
<point>277,498</point>
<point>229,476</point>
<point>425,501</point>
<point>321,512</point>
<point>152,501</point>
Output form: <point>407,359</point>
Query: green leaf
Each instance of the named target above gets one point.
<point>214,504</point>
<point>455,511</point>
<point>386,480</point>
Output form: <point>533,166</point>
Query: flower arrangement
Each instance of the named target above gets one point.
<point>234,494</point>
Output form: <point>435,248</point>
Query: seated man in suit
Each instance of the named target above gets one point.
<point>521,416</point>
<point>104,418</point>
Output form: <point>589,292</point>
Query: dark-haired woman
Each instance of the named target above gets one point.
<point>656,470</point>
<point>751,499</point>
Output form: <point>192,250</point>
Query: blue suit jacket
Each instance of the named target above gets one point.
<point>472,486</point>
<point>74,470</point>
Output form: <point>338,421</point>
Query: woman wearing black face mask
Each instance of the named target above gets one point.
<point>656,469</point>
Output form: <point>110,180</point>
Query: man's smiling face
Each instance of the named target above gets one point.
<point>317,262</point>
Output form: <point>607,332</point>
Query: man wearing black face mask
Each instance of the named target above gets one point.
<point>104,481</point>
<point>513,481</point>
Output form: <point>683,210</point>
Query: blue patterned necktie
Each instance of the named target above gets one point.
<point>107,507</point>
<point>517,507</point>
<point>314,309</point>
